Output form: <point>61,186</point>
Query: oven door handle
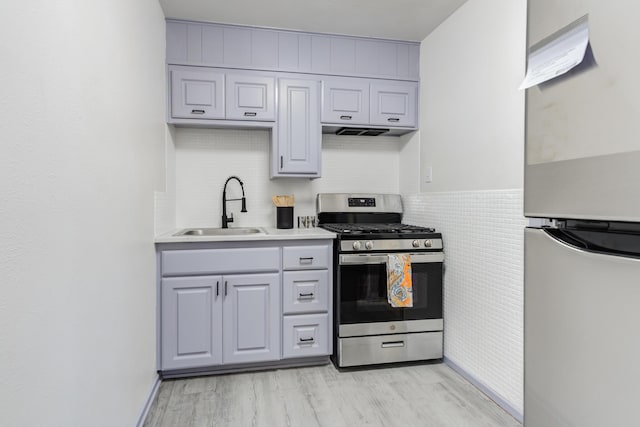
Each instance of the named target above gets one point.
<point>419,258</point>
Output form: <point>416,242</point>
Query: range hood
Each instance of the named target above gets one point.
<point>356,130</point>
<point>361,131</point>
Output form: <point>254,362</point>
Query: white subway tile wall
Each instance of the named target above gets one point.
<point>483,283</point>
<point>206,157</point>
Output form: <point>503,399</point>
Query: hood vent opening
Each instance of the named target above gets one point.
<point>361,131</point>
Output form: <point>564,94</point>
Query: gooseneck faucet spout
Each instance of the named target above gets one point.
<point>226,220</point>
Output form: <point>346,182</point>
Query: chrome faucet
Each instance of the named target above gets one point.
<point>225,220</point>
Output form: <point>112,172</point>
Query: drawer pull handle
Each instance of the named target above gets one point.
<point>249,114</point>
<point>307,295</point>
<point>345,117</point>
<point>391,344</point>
<point>306,260</point>
<point>197,111</point>
<point>393,119</point>
<point>306,340</point>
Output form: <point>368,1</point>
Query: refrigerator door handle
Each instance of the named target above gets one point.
<point>598,241</point>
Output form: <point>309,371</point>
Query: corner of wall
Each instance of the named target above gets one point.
<point>165,198</point>
<point>410,173</point>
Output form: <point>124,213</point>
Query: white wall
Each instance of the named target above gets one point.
<point>82,110</point>
<point>206,157</point>
<point>472,113</point>
<point>472,134</point>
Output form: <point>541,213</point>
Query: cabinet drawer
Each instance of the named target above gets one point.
<point>389,348</point>
<point>219,261</point>
<point>305,291</point>
<point>305,257</point>
<point>305,335</point>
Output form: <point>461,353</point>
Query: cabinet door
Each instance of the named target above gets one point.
<point>250,97</point>
<point>394,105</point>
<point>196,93</point>
<point>345,101</point>
<point>191,322</point>
<point>251,318</point>
<point>298,131</point>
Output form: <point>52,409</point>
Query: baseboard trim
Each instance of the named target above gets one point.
<point>147,405</point>
<point>486,390</point>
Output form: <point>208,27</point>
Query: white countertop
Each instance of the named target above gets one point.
<point>267,233</point>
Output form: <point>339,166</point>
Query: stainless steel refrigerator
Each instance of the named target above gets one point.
<point>582,264</point>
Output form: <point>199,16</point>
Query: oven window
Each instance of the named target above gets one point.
<point>363,294</point>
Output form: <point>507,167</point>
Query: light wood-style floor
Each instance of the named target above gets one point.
<point>417,395</point>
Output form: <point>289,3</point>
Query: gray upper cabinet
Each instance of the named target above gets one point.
<point>196,93</point>
<point>298,134</point>
<point>350,101</point>
<point>345,101</point>
<point>205,96</point>
<point>394,104</point>
<point>250,97</point>
<point>231,46</point>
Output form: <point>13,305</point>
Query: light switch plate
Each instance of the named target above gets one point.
<point>427,174</point>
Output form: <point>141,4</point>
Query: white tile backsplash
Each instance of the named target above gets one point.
<point>483,284</point>
<point>206,157</point>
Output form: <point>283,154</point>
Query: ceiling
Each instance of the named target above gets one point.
<point>389,19</point>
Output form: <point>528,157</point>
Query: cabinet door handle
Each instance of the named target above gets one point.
<point>390,344</point>
<point>345,117</point>
<point>307,295</point>
<point>306,260</point>
<point>217,288</point>
<point>225,288</point>
<point>249,114</point>
<point>305,340</point>
<point>281,162</point>
<point>197,111</point>
<point>393,119</point>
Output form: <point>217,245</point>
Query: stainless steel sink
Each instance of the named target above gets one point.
<point>238,231</point>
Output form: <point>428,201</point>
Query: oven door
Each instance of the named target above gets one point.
<point>362,289</point>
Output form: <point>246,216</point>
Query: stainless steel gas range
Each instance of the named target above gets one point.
<point>367,328</point>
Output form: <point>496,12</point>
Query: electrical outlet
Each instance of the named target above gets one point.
<point>427,174</point>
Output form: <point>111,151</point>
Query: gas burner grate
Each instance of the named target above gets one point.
<point>345,228</point>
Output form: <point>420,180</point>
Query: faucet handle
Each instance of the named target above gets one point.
<point>230,218</point>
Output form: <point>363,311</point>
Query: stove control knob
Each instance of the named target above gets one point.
<point>416,244</point>
<point>357,245</point>
<point>369,245</point>
<point>427,243</point>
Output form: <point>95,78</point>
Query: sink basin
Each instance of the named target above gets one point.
<point>238,231</point>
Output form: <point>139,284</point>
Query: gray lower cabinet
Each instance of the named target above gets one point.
<point>305,335</point>
<point>227,306</point>
<point>306,297</point>
<point>214,320</point>
<point>251,318</point>
<point>191,322</point>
